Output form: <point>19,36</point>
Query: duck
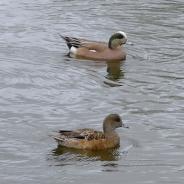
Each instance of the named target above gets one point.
<point>91,139</point>
<point>98,51</point>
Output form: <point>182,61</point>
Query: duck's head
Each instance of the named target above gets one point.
<point>117,39</point>
<point>111,122</point>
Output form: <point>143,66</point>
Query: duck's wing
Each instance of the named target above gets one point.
<point>91,134</point>
<point>70,134</point>
<point>79,42</point>
<point>86,134</point>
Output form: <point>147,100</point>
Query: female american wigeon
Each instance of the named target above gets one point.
<point>99,51</point>
<point>90,139</point>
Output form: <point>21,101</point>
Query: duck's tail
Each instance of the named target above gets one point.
<point>57,138</point>
<point>71,41</point>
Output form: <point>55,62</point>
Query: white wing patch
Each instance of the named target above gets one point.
<point>92,50</point>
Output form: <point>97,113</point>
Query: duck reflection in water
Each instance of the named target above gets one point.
<point>114,70</point>
<point>102,155</point>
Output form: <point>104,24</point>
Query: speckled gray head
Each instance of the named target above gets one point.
<point>113,121</point>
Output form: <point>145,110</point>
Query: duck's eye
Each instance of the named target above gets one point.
<point>120,36</point>
<point>117,119</point>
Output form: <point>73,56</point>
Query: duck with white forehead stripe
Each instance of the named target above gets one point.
<point>99,51</point>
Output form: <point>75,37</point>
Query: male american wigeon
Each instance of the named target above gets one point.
<point>90,139</point>
<point>99,51</point>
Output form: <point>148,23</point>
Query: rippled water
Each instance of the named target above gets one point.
<point>42,90</point>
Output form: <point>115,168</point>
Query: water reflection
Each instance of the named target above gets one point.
<point>103,155</point>
<point>114,70</point>
<point>114,73</point>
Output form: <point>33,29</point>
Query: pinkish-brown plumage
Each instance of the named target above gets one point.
<point>94,50</point>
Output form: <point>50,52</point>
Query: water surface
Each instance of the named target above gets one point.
<point>42,90</point>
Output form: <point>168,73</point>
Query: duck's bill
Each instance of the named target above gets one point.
<point>125,126</point>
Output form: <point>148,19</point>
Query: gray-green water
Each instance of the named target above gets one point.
<point>42,90</point>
